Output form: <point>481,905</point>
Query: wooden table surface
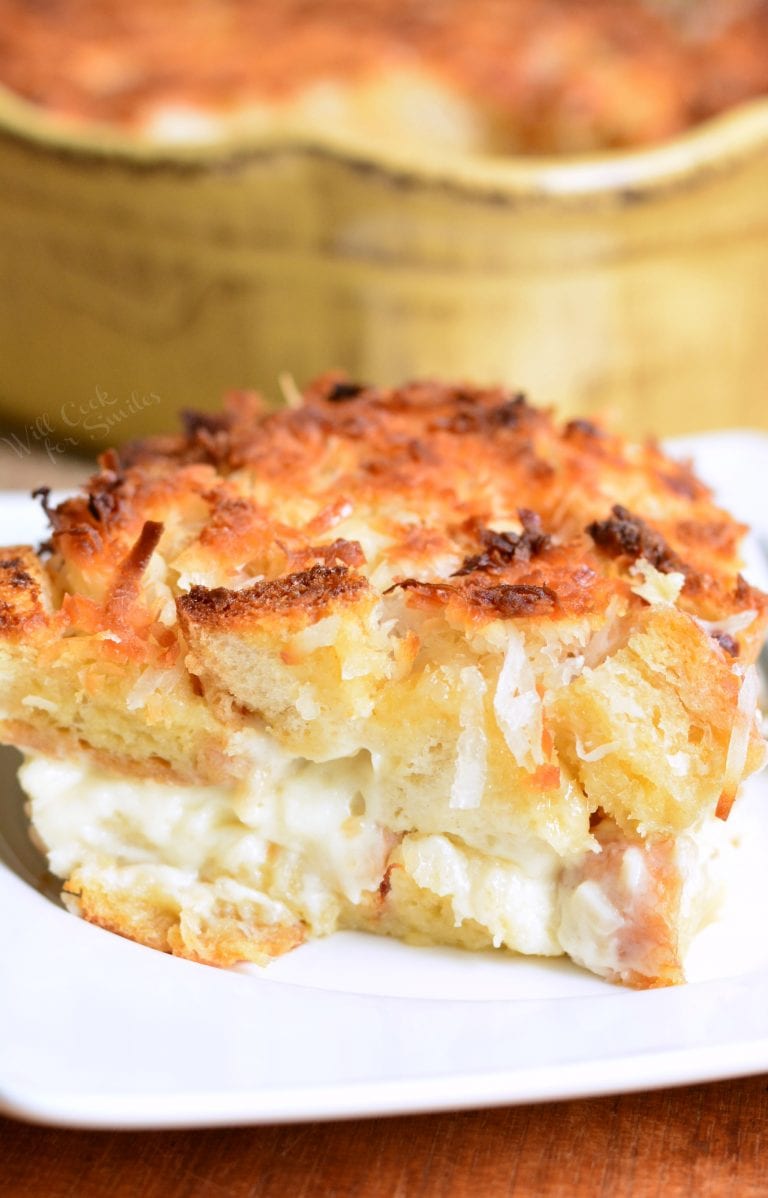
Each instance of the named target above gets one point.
<point>697,1141</point>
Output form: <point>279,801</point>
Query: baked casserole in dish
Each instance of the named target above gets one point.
<point>565,196</point>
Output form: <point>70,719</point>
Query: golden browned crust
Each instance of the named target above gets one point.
<point>154,920</point>
<point>23,591</point>
<point>311,591</point>
<point>455,456</point>
<point>471,503</point>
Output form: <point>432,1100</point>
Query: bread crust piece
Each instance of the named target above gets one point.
<point>504,631</point>
<point>149,915</point>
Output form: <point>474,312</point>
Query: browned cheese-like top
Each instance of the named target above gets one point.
<point>550,74</point>
<point>464,499</point>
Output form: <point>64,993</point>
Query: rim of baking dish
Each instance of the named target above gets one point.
<point>711,149</point>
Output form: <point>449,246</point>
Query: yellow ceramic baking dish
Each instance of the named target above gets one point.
<point>135,279</point>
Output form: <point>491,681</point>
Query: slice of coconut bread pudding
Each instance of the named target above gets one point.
<point>413,660</point>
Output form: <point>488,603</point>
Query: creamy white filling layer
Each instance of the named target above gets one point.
<point>331,847</point>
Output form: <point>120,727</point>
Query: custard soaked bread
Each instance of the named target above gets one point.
<point>418,661</point>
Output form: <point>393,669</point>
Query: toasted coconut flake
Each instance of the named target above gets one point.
<point>655,587</point>
<point>319,635</point>
<point>598,753</point>
<point>152,681</point>
<point>290,392</point>
<point>729,625</point>
<point>517,707</point>
<point>738,746</point>
<point>38,703</point>
<point>472,749</point>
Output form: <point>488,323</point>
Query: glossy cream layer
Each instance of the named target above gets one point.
<point>301,840</point>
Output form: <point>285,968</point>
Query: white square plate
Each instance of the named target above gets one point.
<point>98,1032</point>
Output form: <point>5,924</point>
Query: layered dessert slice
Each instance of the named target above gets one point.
<point>416,660</point>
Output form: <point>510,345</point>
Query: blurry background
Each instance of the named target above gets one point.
<point>37,470</point>
<point>562,195</point>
